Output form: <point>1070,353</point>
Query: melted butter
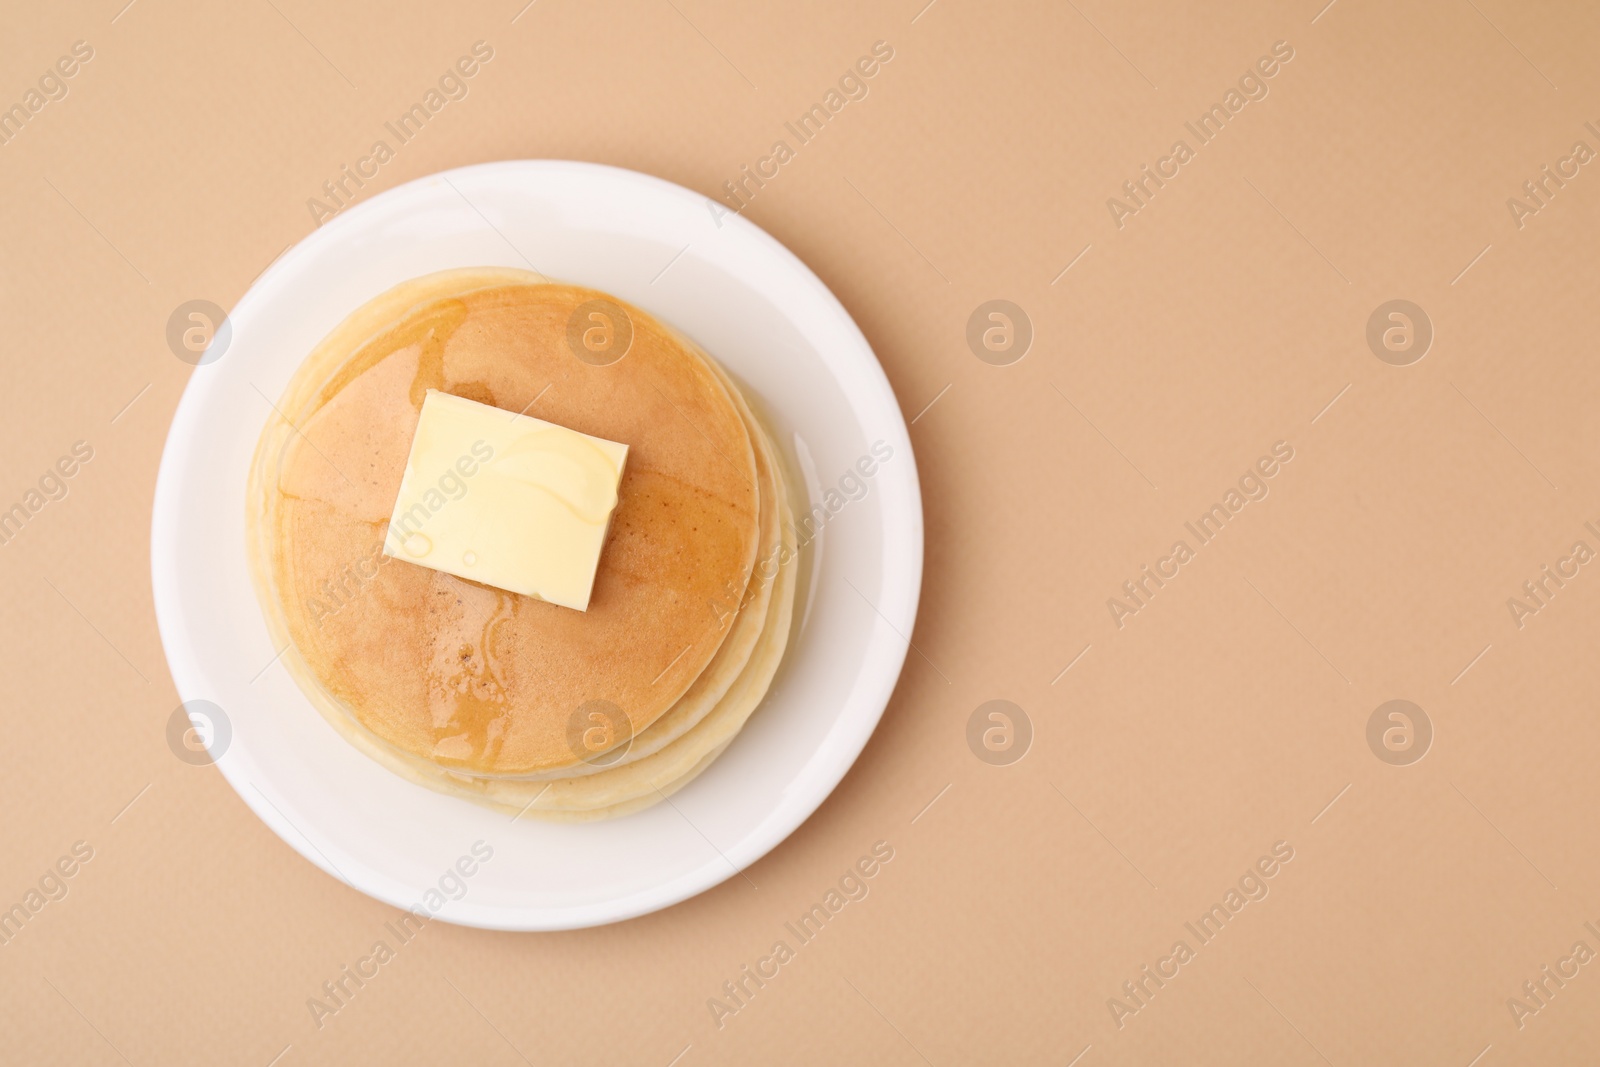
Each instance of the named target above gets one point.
<point>431,328</point>
<point>471,703</point>
<point>334,421</point>
<point>568,467</point>
<point>505,499</point>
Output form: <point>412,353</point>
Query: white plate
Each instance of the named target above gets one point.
<point>753,306</point>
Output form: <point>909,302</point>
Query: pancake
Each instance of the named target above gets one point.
<point>752,613</point>
<point>632,786</point>
<point>470,680</point>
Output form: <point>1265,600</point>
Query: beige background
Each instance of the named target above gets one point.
<point>1226,716</point>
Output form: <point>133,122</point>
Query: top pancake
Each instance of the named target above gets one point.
<point>467,676</point>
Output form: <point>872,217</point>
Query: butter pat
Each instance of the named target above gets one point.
<point>507,500</point>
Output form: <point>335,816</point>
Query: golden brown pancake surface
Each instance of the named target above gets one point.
<point>461,674</point>
<point>669,755</point>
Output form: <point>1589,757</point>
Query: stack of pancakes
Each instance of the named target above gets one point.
<point>489,695</point>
